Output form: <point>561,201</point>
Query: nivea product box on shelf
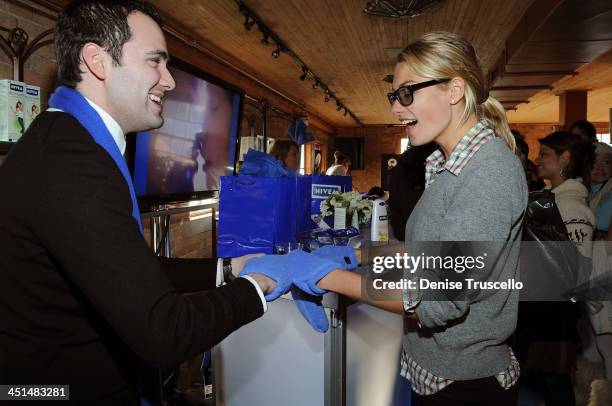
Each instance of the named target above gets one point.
<point>12,110</point>
<point>32,103</point>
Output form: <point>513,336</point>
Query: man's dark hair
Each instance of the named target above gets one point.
<point>588,128</point>
<point>520,143</point>
<point>376,191</point>
<point>103,22</point>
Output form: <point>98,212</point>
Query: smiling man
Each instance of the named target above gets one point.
<point>83,300</point>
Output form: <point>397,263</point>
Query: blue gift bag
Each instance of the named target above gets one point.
<point>257,213</point>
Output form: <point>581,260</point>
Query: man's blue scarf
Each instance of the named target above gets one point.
<point>72,102</point>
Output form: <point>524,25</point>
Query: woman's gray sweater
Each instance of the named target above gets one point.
<point>465,338</point>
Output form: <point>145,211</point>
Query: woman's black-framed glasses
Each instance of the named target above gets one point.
<point>405,94</point>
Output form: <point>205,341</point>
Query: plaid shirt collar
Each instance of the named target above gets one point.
<point>471,142</point>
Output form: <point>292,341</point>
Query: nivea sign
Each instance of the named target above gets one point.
<point>31,91</point>
<point>16,87</point>
<point>322,191</point>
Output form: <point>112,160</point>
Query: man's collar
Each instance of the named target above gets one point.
<point>111,124</point>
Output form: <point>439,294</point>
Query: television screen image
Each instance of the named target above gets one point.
<point>195,146</point>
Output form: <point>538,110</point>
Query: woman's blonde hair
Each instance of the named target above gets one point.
<point>444,55</point>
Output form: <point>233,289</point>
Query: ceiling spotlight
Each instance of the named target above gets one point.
<point>315,84</point>
<point>304,74</point>
<point>276,53</point>
<point>265,40</point>
<point>326,98</point>
<point>248,23</point>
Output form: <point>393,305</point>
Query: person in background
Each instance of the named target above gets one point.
<point>531,170</point>
<point>598,343</point>
<point>376,192</point>
<point>564,161</point>
<point>584,129</point>
<point>288,152</point>
<point>601,191</point>
<point>407,185</point>
<point>341,165</point>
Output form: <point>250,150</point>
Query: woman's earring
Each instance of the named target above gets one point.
<point>562,173</point>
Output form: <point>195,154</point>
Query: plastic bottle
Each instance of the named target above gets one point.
<point>380,223</point>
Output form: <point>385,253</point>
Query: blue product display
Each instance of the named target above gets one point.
<point>323,186</point>
<point>314,239</point>
<point>258,213</point>
<point>257,163</point>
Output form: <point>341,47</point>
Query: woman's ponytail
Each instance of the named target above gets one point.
<point>494,115</point>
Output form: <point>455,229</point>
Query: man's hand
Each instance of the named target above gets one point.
<point>266,284</point>
<point>297,267</point>
<point>238,263</point>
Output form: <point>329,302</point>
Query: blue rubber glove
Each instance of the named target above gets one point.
<point>310,305</point>
<point>344,256</point>
<point>298,267</point>
<point>311,309</point>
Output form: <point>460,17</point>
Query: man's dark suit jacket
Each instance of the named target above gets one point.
<point>83,300</point>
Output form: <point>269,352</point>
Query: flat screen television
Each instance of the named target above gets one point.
<point>198,143</point>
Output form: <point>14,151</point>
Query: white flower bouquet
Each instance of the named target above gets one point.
<point>352,202</point>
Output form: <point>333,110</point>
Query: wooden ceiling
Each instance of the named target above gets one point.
<point>596,77</point>
<point>347,49</point>
<point>352,52</point>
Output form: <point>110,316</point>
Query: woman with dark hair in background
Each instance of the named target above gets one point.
<point>564,161</point>
<point>286,151</point>
<point>584,129</point>
<point>341,165</point>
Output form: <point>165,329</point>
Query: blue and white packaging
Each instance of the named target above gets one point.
<point>32,104</point>
<point>323,186</point>
<point>12,110</point>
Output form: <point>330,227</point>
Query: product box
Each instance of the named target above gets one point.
<point>12,110</point>
<point>32,104</point>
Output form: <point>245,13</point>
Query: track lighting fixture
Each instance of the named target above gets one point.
<point>248,23</point>
<point>267,36</point>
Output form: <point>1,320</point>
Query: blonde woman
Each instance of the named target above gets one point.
<point>455,351</point>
